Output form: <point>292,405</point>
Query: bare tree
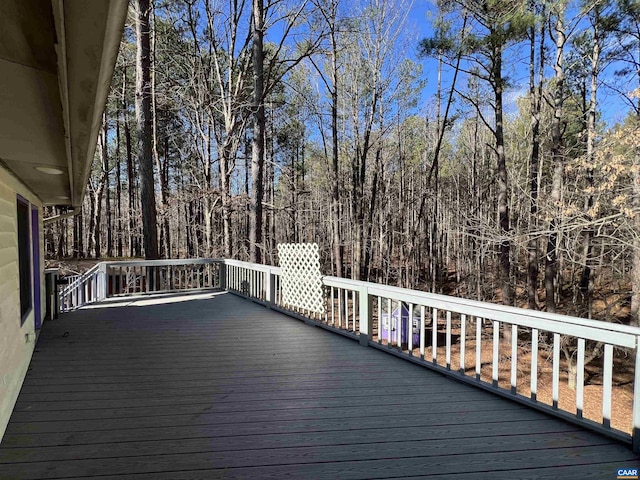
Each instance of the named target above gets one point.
<point>144,127</point>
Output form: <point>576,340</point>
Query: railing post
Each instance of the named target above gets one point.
<point>270,287</point>
<point>104,293</point>
<point>222,275</point>
<point>56,298</point>
<point>635,434</point>
<point>365,307</point>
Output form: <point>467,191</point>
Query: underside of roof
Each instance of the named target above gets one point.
<point>56,63</point>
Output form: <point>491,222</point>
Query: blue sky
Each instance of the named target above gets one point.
<point>612,108</point>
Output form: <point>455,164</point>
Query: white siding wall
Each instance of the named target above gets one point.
<point>16,342</point>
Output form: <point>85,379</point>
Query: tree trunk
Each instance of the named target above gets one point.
<point>503,187</point>
<point>257,144</point>
<point>92,220</point>
<point>164,189</point>
<point>586,285</point>
<point>557,154</point>
<point>535,92</point>
<point>635,265</point>
<point>118,189</point>
<point>133,236</point>
<point>165,247</point>
<point>97,226</point>
<point>338,250</point>
<point>107,189</point>
<point>225,196</point>
<point>143,120</point>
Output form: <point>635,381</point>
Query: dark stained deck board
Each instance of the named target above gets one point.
<point>285,440</point>
<point>218,387</point>
<point>239,406</point>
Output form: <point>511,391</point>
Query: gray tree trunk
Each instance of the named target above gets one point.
<point>257,144</point>
<point>557,154</point>
<point>144,127</point>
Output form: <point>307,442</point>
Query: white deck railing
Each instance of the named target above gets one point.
<point>114,279</point>
<point>458,337</point>
<point>82,289</point>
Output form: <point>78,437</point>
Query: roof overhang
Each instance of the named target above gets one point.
<point>56,63</point>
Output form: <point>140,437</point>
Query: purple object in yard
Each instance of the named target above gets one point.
<point>400,316</point>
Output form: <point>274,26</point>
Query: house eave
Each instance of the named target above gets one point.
<point>56,63</point>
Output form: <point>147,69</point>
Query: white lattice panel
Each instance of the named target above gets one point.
<point>300,278</point>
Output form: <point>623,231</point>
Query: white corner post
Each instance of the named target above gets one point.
<point>270,287</point>
<point>222,275</point>
<point>104,293</point>
<point>365,308</point>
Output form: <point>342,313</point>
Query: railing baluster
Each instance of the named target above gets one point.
<point>434,335</point>
<point>514,359</point>
<point>463,341</point>
<point>410,330</point>
<point>379,319</point>
<point>354,307</point>
<point>205,273</point>
<point>339,308</point>
<point>556,370</point>
<point>580,378</point>
<point>534,364</point>
<point>478,348</point>
<point>495,357</point>
<point>346,309</point>
<point>333,315</point>
<point>422,331</point>
<point>448,341</point>
<point>389,325</point>
<point>606,385</point>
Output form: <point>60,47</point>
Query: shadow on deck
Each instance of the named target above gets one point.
<point>209,385</point>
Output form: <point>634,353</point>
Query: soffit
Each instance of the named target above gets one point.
<point>56,64</point>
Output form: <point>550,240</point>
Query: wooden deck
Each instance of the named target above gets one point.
<point>210,385</point>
